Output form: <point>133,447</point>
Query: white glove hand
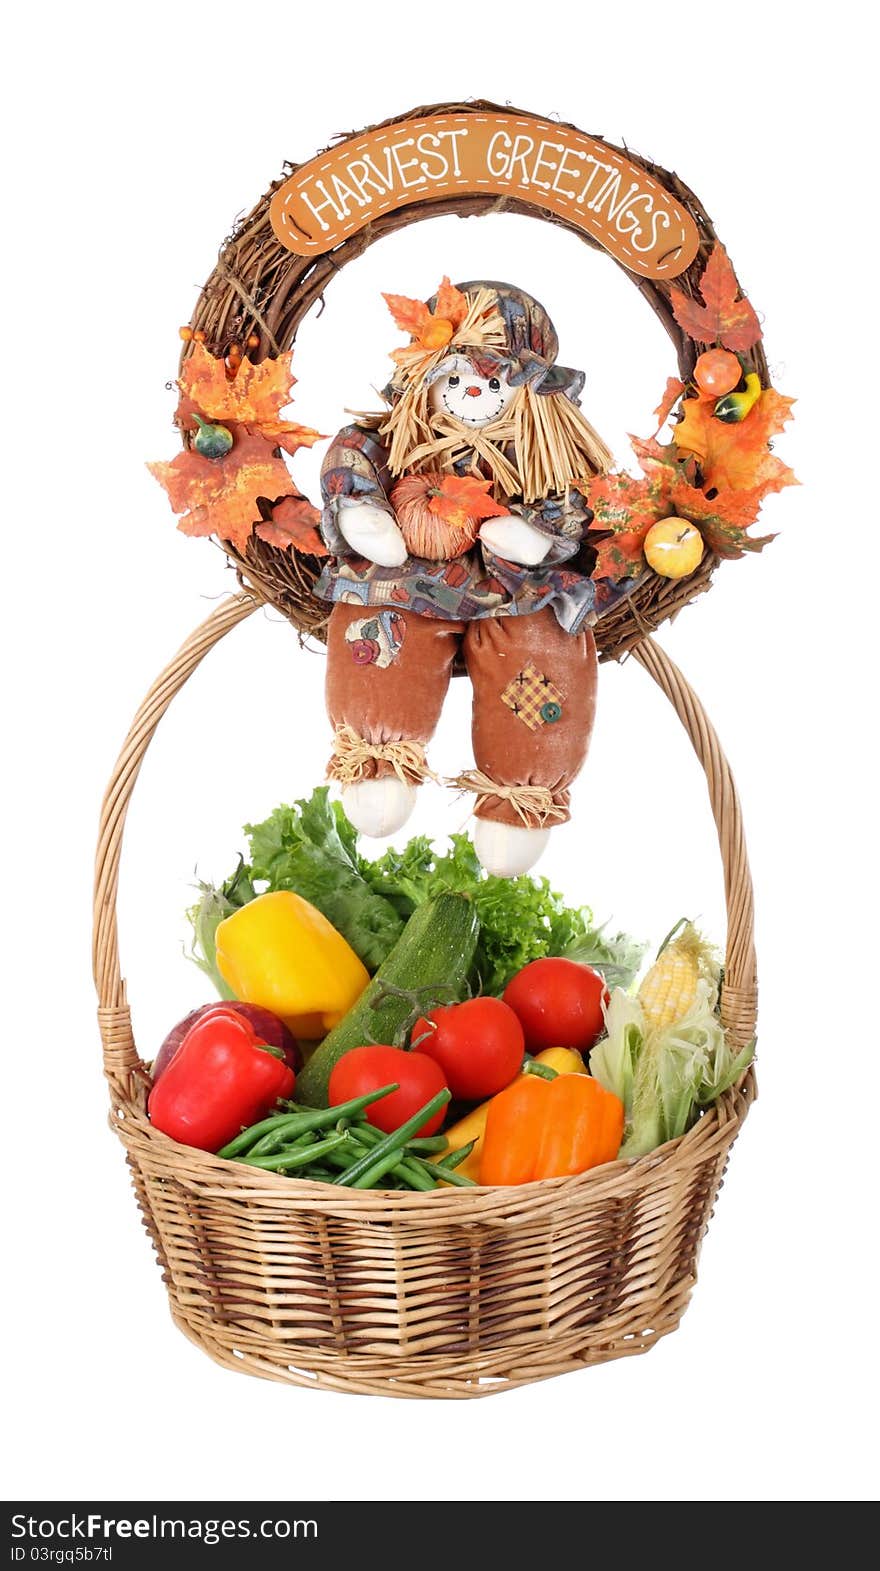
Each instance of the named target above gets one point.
<point>510,537</point>
<point>372,532</point>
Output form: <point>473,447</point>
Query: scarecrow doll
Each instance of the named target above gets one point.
<point>453,519</point>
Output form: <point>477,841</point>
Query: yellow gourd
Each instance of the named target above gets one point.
<point>673,547</point>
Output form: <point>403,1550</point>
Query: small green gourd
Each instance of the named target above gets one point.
<point>212,441</point>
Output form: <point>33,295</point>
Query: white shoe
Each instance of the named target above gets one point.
<point>508,849</point>
<point>379,807</point>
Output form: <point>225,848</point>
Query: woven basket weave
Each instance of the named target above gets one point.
<point>456,1293</point>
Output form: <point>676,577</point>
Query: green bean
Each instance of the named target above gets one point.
<point>299,1123</point>
<point>279,1139</point>
<point>448,1175</point>
<point>284,1161</point>
<point>427,1145</point>
<point>455,1158</point>
<point>411,1175</point>
<point>374,1164</point>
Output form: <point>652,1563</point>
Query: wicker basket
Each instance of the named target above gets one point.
<point>450,1294</point>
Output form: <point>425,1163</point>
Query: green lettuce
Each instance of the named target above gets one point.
<point>312,849</point>
<point>521,919</point>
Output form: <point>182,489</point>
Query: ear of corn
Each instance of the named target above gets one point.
<point>669,991</point>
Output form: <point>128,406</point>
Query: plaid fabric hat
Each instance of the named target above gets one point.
<point>532,344</point>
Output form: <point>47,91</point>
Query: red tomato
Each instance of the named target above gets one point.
<point>365,1069</point>
<point>479,1046</point>
<point>559,1003</point>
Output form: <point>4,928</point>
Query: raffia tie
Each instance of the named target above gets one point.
<point>453,440</point>
<point>529,802</point>
<point>352,752</point>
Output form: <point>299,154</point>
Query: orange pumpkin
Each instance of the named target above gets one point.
<point>427,534</point>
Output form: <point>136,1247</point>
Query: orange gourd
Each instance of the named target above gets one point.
<point>717,372</point>
<point>550,1129</point>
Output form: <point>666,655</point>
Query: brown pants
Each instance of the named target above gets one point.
<point>534,693</point>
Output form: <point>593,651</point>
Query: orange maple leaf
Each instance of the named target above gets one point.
<point>409,315</point>
<point>452,305</point>
<point>253,396</point>
<point>287,434</point>
<point>625,508</point>
<point>460,497</point>
<point>293,523</point>
<point>723,518</point>
<point>722,318</point>
<point>430,330</point>
<point>218,496</point>
<point>737,456</point>
<point>673,392</point>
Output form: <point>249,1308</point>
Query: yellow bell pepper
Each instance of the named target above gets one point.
<point>473,1126</point>
<point>280,952</point>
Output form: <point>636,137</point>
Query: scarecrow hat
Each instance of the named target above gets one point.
<point>530,343</point>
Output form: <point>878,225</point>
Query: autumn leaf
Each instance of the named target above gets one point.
<point>218,496</point>
<point>736,456</point>
<point>430,330</point>
<point>674,390</point>
<point>723,518</point>
<point>253,396</point>
<point>460,497</point>
<point>294,523</point>
<point>411,316</point>
<point>620,556</point>
<point>287,434</point>
<point>456,498</point>
<point>722,318</point>
<point>626,507</point>
<point>452,305</point>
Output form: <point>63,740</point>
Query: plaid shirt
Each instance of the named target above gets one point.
<point>477,584</point>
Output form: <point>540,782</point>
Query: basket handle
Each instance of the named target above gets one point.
<point>122,1064</point>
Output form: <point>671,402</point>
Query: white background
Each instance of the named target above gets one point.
<point>134,140</point>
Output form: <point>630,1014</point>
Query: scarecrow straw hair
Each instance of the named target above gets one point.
<point>539,446</point>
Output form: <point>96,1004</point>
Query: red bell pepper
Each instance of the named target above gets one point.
<point>221,1079</point>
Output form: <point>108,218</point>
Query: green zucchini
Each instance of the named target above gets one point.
<point>433,955</point>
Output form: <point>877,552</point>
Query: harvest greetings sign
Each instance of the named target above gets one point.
<point>495,154</point>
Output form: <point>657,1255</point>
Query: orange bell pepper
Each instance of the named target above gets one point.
<point>549,1129</point>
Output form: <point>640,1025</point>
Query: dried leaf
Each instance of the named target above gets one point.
<point>411,316</point>
<point>626,507</point>
<point>674,390</point>
<point>736,457</point>
<point>287,434</point>
<point>253,397</point>
<point>293,524</point>
<point>452,305</point>
<point>722,318</point>
<point>723,518</point>
<point>461,497</point>
<point>218,496</point>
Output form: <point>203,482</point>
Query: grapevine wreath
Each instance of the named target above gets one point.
<point>322,1214</point>
<point>714,470</point>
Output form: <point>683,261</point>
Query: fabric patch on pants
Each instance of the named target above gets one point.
<point>376,640</point>
<point>533,698</point>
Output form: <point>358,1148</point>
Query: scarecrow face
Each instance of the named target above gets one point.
<point>475,400</point>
